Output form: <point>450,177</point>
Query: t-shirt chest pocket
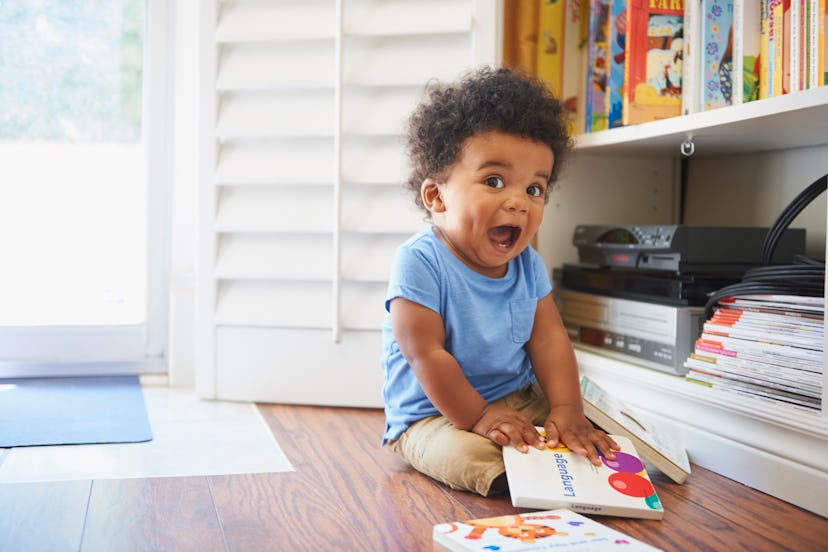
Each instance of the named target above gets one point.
<point>523,319</point>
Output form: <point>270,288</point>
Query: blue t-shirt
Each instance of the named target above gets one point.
<point>487,324</point>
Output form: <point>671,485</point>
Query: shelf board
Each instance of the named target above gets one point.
<point>789,121</point>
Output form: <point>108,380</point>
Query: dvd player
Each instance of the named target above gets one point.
<point>681,248</point>
<point>658,286</point>
<point>649,334</point>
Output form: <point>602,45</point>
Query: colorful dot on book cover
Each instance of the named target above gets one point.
<point>631,484</point>
<point>624,463</point>
<point>653,502</point>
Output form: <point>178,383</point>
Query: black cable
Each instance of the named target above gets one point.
<point>804,277</point>
<point>684,168</point>
<point>802,200</point>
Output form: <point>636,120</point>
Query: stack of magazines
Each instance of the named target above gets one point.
<point>765,346</point>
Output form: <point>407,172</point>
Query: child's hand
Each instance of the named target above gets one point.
<point>568,425</point>
<point>506,426</point>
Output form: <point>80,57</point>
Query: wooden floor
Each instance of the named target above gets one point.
<point>348,493</point>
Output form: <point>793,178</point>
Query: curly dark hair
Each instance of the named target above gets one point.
<point>487,99</point>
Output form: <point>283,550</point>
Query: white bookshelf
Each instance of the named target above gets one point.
<point>789,121</point>
<point>773,448</point>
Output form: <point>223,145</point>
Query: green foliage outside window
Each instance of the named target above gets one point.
<point>71,70</point>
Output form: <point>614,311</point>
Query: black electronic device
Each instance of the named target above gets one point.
<point>657,286</point>
<point>680,248</point>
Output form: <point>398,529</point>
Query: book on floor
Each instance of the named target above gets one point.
<point>559,478</point>
<point>656,443</point>
<point>559,529</point>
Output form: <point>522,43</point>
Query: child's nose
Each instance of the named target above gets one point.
<point>517,201</point>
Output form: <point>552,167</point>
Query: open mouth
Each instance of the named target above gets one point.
<point>504,236</point>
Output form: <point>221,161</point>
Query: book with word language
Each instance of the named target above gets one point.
<point>560,478</point>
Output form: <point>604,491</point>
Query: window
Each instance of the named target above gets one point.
<point>77,118</point>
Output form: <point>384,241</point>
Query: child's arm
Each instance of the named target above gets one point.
<point>553,360</point>
<point>420,334</point>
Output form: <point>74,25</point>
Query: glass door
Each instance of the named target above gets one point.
<point>76,195</point>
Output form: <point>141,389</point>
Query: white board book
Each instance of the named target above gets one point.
<point>546,530</point>
<point>559,478</point>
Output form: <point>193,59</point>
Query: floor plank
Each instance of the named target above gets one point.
<point>43,516</point>
<point>281,512</point>
<point>391,506</point>
<point>171,513</point>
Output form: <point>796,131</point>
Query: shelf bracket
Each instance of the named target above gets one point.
<point>688,147</point>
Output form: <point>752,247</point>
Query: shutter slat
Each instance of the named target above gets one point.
<point>404,17</point>
<point>374,161</point>
<point>302,209</point>
<point>276,114</point>
<point>392,210</point>
<point>367,257</point>
<point>299,161</point>
<point>276,256</point>
<point>251,22</point>
<point>378,111</point>
<point>399,61</point>
<point>275,66</point>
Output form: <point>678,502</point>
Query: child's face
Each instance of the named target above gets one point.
<point>492,202</point>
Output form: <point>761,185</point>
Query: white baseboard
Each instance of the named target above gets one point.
<point>785,479</point>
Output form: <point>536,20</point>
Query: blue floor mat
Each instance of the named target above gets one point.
<point>72,411</point>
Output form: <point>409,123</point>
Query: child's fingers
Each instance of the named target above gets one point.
<point>552,436</point>
<point>532,438</point>
<point>591,443</point>
<point>498,437</point>
<point>516,435</point>
<point>606,445</point>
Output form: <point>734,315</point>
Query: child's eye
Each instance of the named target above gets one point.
<point>535,190</point>
<point>495,182</point>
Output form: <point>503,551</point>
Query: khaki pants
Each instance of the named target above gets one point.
<point>462,459</point>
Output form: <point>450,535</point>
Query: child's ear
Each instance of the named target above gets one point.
<point>432,198</point>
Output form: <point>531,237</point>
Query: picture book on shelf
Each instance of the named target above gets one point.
<point>690,59</point>
<point>550,49</point>
<point>816,44</point>
<point>656,443</point>
<point>562,55</point>
<point>598,66</point>
<point>615,82</point>
<point>794,51</point>
<point>771,48</point>
<point>717,53</point>
<point>653,64</point>
<point>559,529</point>
<point>559,478</point>
<point>746,29</point>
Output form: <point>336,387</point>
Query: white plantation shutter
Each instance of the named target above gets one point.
<point>302,206</point>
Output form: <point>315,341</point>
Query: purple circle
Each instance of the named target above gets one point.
<point>624,463</point>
